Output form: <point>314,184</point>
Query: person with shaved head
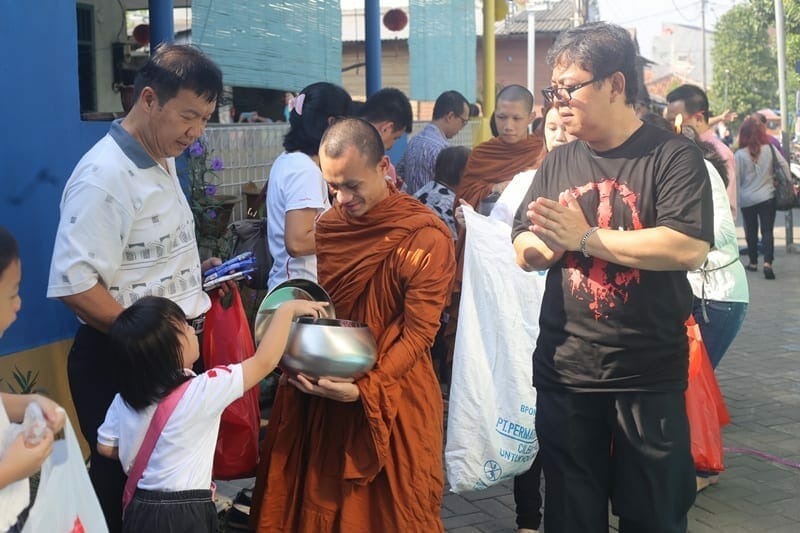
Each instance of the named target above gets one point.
<point>366,454</point>
<point>490,167</point>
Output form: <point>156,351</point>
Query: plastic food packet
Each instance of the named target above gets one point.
<point>34,424</point>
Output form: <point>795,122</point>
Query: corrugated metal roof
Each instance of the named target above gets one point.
<point>554,20</point>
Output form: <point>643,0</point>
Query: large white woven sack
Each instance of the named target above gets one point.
<point>490,429</point>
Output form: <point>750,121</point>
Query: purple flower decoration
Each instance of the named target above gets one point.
<point>212,214</point>
<point>211,190</point>
<point>216,164</point>
<point>196,149</point>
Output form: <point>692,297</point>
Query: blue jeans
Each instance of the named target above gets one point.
<point>724,321</point>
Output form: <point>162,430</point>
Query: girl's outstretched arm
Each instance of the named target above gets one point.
<point>273,343</point>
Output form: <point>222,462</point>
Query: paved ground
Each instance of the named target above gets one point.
<point>760,379</point>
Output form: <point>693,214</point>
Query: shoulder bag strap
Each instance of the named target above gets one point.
<point>157,423</point>
<point>774,159</point>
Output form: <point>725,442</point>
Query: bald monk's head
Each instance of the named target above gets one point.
<point>354,165</point>
<point>513,113</point>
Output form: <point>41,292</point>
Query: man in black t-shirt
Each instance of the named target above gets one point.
<point>618,217</point>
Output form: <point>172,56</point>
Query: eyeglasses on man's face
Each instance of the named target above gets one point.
<point>463,120</point>
<point>563,95</point>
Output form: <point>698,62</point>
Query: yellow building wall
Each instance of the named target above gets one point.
<point>50,362</point>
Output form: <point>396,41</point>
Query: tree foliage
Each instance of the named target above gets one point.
<point>745,57</point>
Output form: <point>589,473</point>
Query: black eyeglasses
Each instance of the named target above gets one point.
<point>463,120</point>
<point>564,94</point>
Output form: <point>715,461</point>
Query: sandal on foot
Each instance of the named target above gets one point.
<point>702,483</point>
<point>768,273</point>
<point>751,267</point>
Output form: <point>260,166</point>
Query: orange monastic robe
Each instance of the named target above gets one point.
<point>495,161</point>
<point>490,163</point>
<point>374,465</point>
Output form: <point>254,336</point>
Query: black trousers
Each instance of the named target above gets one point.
<point>630,447</point>
<point>93,383</point>
<point>527,496</point>
<point>752,216</point>
<point>186,511</point>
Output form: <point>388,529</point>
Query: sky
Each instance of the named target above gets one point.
<point>644,15</point>
<point>648,15</point>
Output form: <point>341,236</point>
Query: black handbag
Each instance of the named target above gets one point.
<point>785,195</point>
<point>250,235</point>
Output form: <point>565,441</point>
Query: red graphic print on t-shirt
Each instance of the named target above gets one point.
<point>596,281</point>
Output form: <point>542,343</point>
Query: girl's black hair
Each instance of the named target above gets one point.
<point>146,339</point>
<point>9,251</point>
<point>322,100</point>
<point>450,165</point>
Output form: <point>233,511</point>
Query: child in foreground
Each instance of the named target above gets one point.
<point>20,459</point>
<point>156,347</point>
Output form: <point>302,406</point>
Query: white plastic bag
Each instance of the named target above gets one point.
<point>65,501</point>
<point>490,429</point>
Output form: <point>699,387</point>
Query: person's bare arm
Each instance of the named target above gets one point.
<point>20,461</point>
<point>726,116</point>
<point>533,253</point>
<point>273,343</point>
<point>659,248</point>
<point>112,452</point>
<point>299,232</point>
<point>96,307</point>
<point>15,405</point>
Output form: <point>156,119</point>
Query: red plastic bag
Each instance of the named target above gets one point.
<point>227,339</point>
<point>705,406</point>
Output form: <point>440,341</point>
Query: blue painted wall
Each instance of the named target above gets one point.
<point>41,139</point>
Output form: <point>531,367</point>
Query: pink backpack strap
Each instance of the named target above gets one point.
<point>157,423</point>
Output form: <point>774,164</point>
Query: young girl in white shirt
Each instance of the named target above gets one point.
<point>156,347</point>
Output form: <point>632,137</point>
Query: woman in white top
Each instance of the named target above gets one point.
<point>720,286</point>
<point>296,192</point>
<point>754,176</point>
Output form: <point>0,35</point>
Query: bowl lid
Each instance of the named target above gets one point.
<point>292,289</point>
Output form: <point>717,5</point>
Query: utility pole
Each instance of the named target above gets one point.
<point>488,70</point>
<point>780,37</point>
<point>532,6</point>
<point>529,7</point>
<point>372,45</point>
<point>703,36</point>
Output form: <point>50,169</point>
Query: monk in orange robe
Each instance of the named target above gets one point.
<point>366,455</point>
<point>490,167</point>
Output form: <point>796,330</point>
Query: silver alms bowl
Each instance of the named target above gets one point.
<point>329,347</point>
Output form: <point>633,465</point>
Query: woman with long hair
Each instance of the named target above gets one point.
<point>754,176</point>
